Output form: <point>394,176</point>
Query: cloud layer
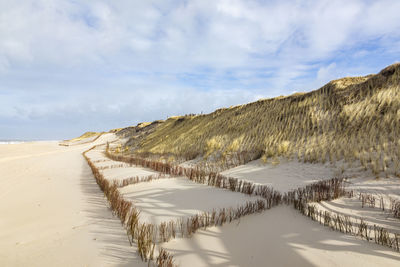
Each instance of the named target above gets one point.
<point>70,66</point>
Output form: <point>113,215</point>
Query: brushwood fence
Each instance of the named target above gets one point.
<point>147,235</point>
<point>372,201</point>
<point>301,199</point>
<point>199,175</point>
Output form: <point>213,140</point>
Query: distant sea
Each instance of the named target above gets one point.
<point>8,142</point>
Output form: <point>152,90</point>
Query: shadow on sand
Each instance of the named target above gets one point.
<point>278,237</point>
<point>105,227</point>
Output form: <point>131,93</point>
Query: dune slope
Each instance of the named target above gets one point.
<point>351,118</point>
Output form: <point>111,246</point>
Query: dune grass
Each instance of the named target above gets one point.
<point>301,199</point>
<point>347,119</point>
<point>202,176</point>
<point>350,119</point>
<point>84,136</point>
<point>147,235</point>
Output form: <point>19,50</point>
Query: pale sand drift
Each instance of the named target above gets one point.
<point>53,213</point>
<point>292,174</point>
<point>388,188</point>
<point>173,198</point>
<point>119,173</point>
<point>82,141</point>
<point>352,207</point>
<point>168,198</point>
<point>382,188</point>
<point>96,139</point>
<point>282,177</point>
<point>277,237</point>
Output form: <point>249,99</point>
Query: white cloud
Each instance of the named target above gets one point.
<point>116,52</point>
<point>327,73</point>
<point>217,34</point>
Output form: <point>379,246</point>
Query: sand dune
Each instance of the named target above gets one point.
<point>169,199</point>
<point>54,214</point>
<point>283,177</point>
<point>278,237</point>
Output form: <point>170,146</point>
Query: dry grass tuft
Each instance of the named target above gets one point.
<point>351,119</point>
<point>202,176</point>
<point>332,189</point>
<point>164,259</point>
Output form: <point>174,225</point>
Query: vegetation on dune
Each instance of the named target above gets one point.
<point>302,199</point>
<point>147,235</point>
<point>350,118</point>
<point>201,176</point>
<point>137,133</point>
<point>347,119</point>
<point>84,136</point>
<point>116,130</point>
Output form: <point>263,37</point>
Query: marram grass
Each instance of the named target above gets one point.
<point>347,119</point>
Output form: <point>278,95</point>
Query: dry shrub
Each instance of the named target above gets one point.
<point>129,215</point>
<point>329,190</point>
<point>165,259</point>
<point>351,119</point>
<point>201,176</point>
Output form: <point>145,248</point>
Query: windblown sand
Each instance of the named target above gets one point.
<point>289,174</point>
<point>382,189</point>
<point>277,237</point>
<point>386,187</point>
<point>54,214</point>
<point>168,198</point>
<point>352,207</point>
<point>116,172</point>
<point>173,198</point>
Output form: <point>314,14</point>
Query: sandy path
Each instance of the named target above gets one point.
<point>278,237</point>
<point>53,213</point>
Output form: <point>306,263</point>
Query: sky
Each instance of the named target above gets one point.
<point>69,66</point>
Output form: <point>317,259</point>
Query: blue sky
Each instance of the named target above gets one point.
<point>71,66</point>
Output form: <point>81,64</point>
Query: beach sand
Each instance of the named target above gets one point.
<point>172,198</point>
<point>285,176</point>
<point>53,213</point>
<point>277,237</point>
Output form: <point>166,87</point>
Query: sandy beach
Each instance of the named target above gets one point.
<point>278,237</point>
<point>199,133</point>
<point>53,213</point>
